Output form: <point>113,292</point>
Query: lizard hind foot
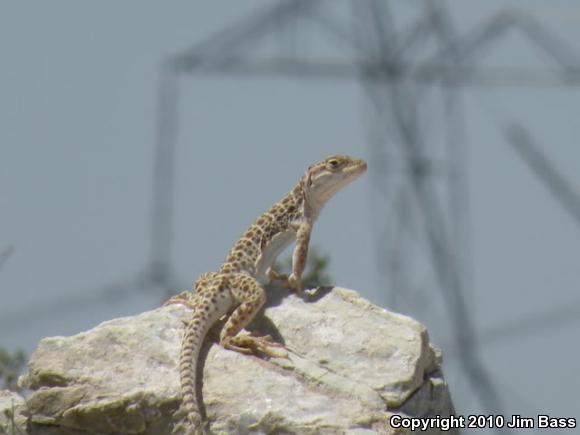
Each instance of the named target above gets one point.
<point>290,282</point>
<point>180,298</point>
<point>277,276</point>
<point>252,345</point>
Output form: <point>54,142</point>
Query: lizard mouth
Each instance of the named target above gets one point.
<point>359,167</point>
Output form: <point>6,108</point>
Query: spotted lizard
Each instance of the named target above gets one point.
<point>236,290</point>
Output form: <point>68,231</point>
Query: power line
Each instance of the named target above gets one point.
<point>543,321</point>
<point>559,187</point>
<point>71,303</point>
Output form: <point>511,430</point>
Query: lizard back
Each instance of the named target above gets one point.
<point>269,235</point>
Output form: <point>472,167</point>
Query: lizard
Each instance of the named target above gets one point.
<point>236,289</point>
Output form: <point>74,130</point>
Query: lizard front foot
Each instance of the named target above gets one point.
<point>294,283</point>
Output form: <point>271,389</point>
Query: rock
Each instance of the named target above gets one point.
<point>12,413</point>
<point>351,366</point>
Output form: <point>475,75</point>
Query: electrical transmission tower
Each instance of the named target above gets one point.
<point>404,54</point>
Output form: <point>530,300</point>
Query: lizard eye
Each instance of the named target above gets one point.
<point>333,163</point>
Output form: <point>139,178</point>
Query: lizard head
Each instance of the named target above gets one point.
<point>324,179</point>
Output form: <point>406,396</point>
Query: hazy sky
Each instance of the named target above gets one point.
<point>77,103</point>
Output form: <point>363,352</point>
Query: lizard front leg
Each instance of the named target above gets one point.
<point>252,295</point>
<point>299,256</point>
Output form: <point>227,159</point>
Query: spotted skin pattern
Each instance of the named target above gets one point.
<point>236,290</point>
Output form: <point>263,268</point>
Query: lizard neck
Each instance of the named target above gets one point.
<point>311,205</point>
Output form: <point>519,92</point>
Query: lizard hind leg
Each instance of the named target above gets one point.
<point>204,283</point>
<point>252,297</point>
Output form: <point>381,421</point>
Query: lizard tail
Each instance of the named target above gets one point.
<point>191,344</point>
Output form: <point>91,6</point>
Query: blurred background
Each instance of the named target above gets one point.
<point>139,140</point>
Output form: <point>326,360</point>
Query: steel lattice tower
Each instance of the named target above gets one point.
<point>402,61</point>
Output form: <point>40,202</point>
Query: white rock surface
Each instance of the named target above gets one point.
<point>12,409</point>
<point>351,366</point>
